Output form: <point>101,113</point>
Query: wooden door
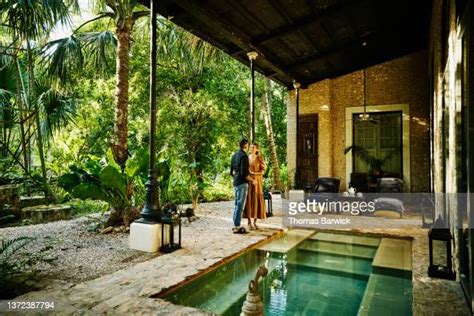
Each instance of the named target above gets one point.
<point>307,153</point>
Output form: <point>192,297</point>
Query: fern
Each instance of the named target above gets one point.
<point>14,262</point>
<point>10,263</point>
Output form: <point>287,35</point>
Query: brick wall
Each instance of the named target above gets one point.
<point>401,81</point>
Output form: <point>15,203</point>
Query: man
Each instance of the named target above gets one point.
<point>239,169</point>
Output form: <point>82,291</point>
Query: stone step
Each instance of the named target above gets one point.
<point>353,266</point>
<point>340,249</point>
<point>27,201</point>
<point>393,254</point>
<point>347,239</point>
<point>9,199</point>
<point>385,290</point>
<point>288,241</point>
<point>47,213</point>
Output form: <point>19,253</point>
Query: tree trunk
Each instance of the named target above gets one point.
<point>266,112</point>
<point>119,146</point>
<point>34,105</point>
<point>197,180</point>
<point>19,101</point>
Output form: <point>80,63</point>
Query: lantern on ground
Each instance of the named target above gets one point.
<point>267,197</point>
<point>170,221</point>
<point>441,260</point>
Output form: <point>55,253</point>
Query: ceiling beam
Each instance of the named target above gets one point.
<point>303,22</point>
<point>299,24</point>
<point>324,56</point>
<point>253,19</point>
<point>237,36</point>
<point>276,4</point>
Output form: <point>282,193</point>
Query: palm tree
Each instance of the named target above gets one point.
<point>64,56</point>
<point>28,22</point>
<point>56,107</point>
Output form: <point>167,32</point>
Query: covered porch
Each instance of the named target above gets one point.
<point>361,73</point>
<point>339,59</point>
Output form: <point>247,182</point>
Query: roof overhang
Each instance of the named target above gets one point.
<point>306,40</point>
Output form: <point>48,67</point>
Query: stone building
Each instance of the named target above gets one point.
<point>399,86</point>
<point>394,78</point>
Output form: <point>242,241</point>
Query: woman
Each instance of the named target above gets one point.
<point>255,208</point>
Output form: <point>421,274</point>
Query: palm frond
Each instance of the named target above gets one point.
<point>364,156</point>
<point>10,247</point>
<point>58,111</point>
<point>101,48</point>
<point>183,50</point>
<point>5,95</point>
<point>8,87</point>
<point>62,58</point>
<point>33,19</point>
<point>394,152</point>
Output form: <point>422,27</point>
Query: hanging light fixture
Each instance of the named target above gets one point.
<point>297,87</point>
<point>365,117</point>
<point>252,56</point>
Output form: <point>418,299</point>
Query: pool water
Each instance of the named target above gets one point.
<point>309,274</point>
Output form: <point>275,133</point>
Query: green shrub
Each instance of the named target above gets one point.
<point>88,206</point>
<point>17,264</point>
<point>218,193</point>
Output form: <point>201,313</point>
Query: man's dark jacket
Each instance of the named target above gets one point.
<point>239,167</point>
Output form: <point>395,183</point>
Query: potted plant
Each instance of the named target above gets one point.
<point>374,164</point>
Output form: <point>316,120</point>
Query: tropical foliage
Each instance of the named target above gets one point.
<point>91,90</point>
<point>374,164</point>
<point>17,263</point>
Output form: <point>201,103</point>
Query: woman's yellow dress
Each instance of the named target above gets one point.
<point>255,207</point>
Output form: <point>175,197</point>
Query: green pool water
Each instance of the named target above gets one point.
<point>315,277</point>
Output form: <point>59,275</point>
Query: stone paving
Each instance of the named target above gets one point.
<point>207,242</point>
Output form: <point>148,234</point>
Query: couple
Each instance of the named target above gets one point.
<point>248,186</point>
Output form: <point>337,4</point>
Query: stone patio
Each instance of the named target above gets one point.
<point>208,242</point>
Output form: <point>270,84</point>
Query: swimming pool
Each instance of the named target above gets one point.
<point>311,274</point>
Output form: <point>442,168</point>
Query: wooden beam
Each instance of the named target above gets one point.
<point>247,14</point>
<point>315,57</point>
<point>277,6</point>
<point>237,36</point>
<point>254,20</point>
<point>301,23</point>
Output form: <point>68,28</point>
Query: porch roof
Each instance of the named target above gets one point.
<point>306,40</point>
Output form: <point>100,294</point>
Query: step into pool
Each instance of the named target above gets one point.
<point>311,274</point>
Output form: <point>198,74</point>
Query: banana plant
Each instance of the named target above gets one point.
<point>103,179</point>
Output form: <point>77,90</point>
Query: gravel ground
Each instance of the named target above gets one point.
<point>78,255</point>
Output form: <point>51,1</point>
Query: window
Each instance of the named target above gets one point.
<point>381,137</point>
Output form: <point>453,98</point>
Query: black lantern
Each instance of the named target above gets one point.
<point>441,261</point>
<point>268,198</point>
<point>171,220</point>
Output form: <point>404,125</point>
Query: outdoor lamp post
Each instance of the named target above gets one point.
<point>252,56</point>
<point>151,211</point>
<point>441,261</point>
<point>145,233</point>
<point>297,86</point>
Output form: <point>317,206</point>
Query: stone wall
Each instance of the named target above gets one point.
<point>447,98</point>
<point>401,81</point>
